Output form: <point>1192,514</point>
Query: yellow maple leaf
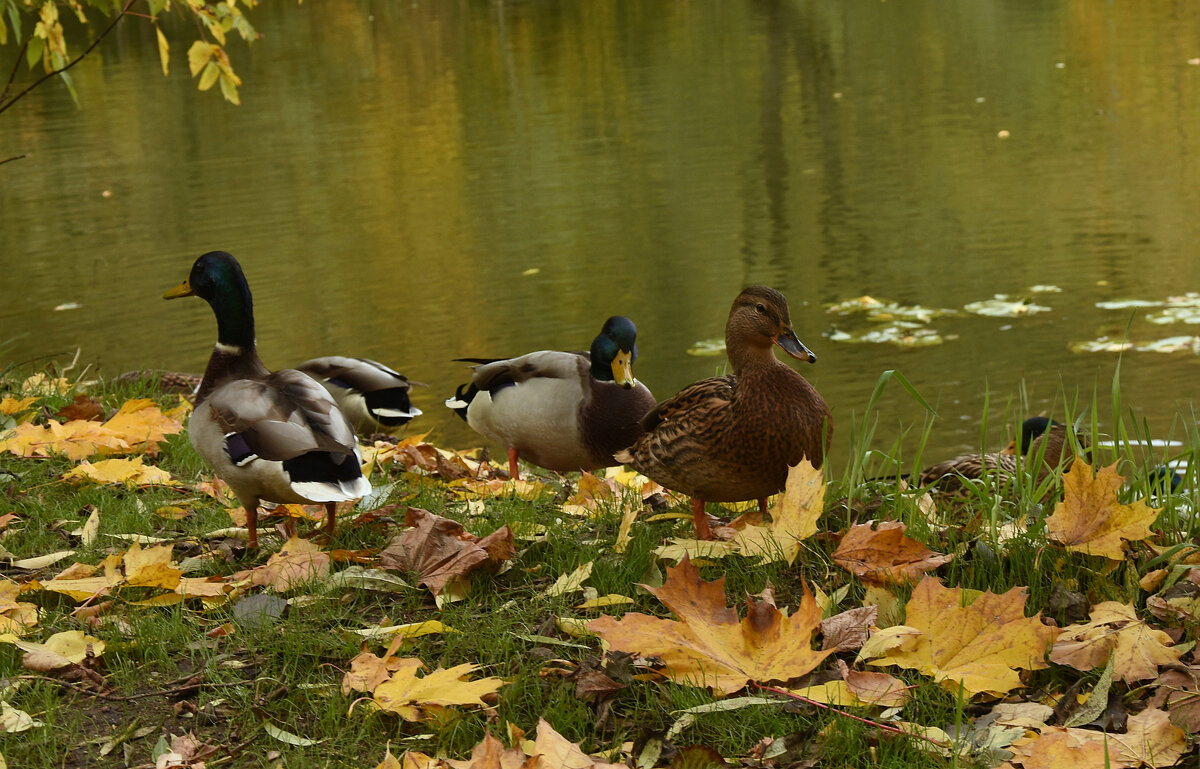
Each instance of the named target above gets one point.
<point>554,750</point>
<point>150,567</point>
<point>415,698</point>
<point>793,518</point>
<point>1151,739</point>
<point>1137,650</point>
<point>11,407</point>
<point>130,472</point>
<point>708,645</point>
<point>60,650</point>
<point>142,425</point>
<point>980,646</point>
<point>1089,519</point>
<point>16,617</point>
<point>885,555</point>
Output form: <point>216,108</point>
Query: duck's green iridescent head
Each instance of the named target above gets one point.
<point>614,351</point>
<point>217,278</point>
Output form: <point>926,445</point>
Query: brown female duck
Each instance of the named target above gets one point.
<point>1042,440</point>
<point>732,438</point>
<point>272,436</point>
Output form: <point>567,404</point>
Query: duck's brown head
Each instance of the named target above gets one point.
<point>758,319</point>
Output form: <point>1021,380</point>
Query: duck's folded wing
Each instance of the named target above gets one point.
<point>281,417</point>
<point>547,364</point>
<point>359,374</point>
<point>695,399</point>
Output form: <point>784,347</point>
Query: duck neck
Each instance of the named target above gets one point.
<point>747,351</point>
<point>235,355</point>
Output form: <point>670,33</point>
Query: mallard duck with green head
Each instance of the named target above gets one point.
<point>732,438</point>
<point>372,396</point>
<point>273,436</point>
<point>560,410</point>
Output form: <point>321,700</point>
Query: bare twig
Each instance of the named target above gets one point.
<point>16,65</point>
<point>14,157</point>
<point>6,104</point>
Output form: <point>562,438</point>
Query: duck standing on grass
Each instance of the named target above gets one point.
<point>272,436</point>
<point>733,437</point>
<point>560,410</point>
<point>372,396</point>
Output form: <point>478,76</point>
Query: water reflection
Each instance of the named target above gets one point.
<point>419,182</point>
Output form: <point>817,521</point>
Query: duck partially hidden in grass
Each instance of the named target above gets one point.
<point>560,410</point>
<point>733,437</point>
<point>272,436</point>
<point>1042,440</point>
<point>372,396</point>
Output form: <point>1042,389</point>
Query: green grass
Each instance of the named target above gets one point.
<point>287,672</point>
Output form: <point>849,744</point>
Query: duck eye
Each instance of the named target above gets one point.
<point>761,308</point>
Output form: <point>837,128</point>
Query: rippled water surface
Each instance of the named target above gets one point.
<point>416,182</point>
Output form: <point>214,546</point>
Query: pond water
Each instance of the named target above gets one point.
<point>416,182</point>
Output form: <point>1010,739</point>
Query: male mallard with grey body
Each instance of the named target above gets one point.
<point>372,396</point>
<point>733,437</point>
<point>560,410</point>
<point>272,436</point>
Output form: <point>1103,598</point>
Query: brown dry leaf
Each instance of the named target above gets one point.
<point>1178,690</point>
<point>1089,519</point>
<point>1058,747</point>
<point>83,407</point>
<point>490,753</point>
<point>555,751</point>
<point>885,555</point>
<point>297,562</point>
<point>709,646</point>
<point>439,549</point>
<point>870,688</point>
<point>128,472</point>
<point>980,646</point>
<point>415,699</point>
<point>368,671</point>
<point>1137,649</point>
<point>847,632</point>
<point>1151,739</point>
<point>793,518</point>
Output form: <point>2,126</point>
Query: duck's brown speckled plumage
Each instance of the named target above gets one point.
<point>1042,441</point>
<point>732,437</point>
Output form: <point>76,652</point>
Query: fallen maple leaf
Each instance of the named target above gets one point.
<point>416,698</point>
<point>440,549</point>
<point>885,555</point>
<point>1137,649</point>
<point>60,650</point>
<point>297,562</point>
<point>490,753</point>
<point>793,518</point>
<point>1178,690</point>
<point>16,617</point>
<point>979,646</point>
<point>1089,519</point>
<point>83,407</point>
<point>709,646</point>
<point>129,472</point>
<point>1151,739</point>
<point>555,751</point>
<point>848,631</point>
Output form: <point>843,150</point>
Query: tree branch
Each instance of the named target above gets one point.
<point>6,104</point>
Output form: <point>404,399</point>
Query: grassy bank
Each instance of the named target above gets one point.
<point>259,683</point>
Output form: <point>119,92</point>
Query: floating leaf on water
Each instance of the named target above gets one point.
<point>1002,306</point>
<point>67,306</point>
<point>857,304</point>
<point>901,334</point>
<point>1125,304</point>
<point>1044,289</point>
<point>707,347</point>
<point>1181,313</point>
<point>1168,345</point>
